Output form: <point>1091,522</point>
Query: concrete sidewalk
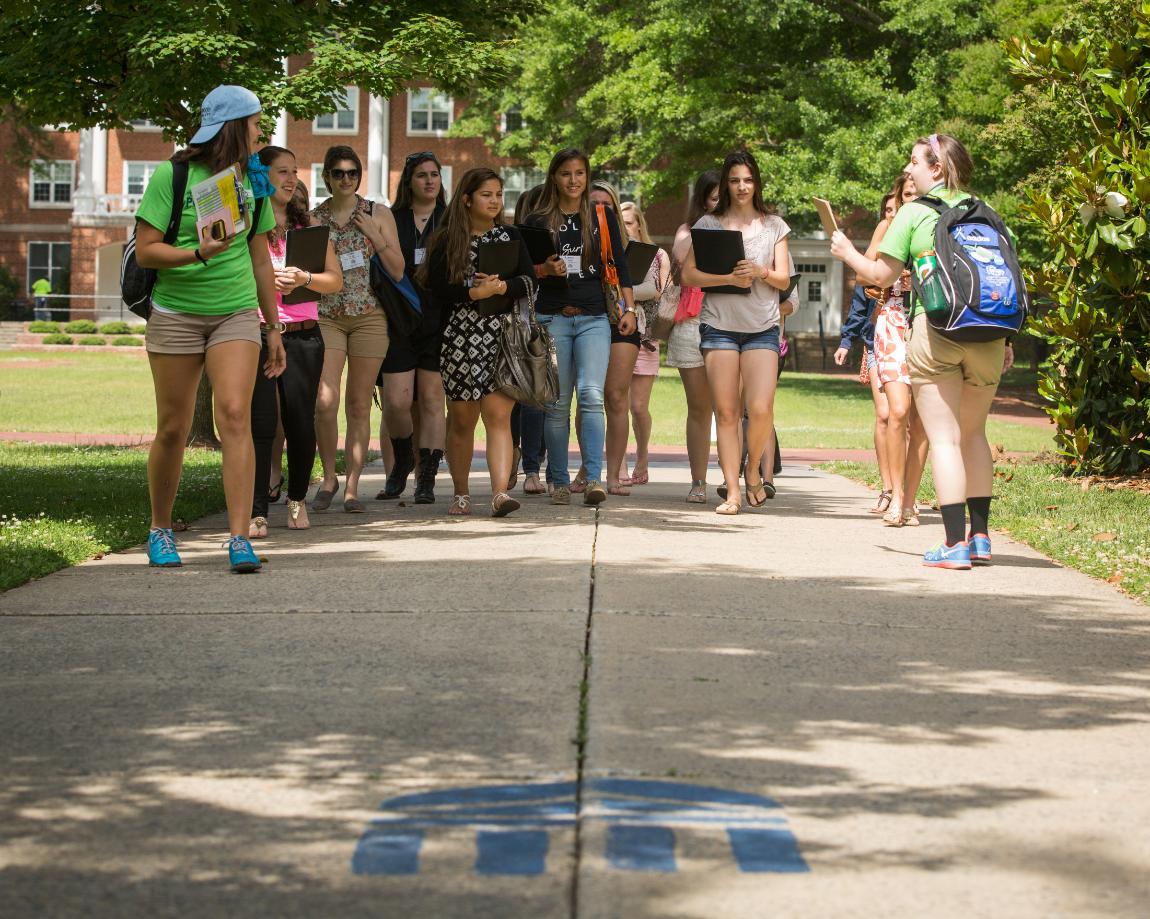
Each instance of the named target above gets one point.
<point>645,711</point>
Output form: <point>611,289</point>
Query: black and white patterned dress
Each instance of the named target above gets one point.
<point>470,341</point>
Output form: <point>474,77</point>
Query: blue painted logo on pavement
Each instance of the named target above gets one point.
<point>513,822</point>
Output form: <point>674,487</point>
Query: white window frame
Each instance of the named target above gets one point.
<point>50,243</point>
<point>811,289</point>
<point>518,179</point>
<point>517,110</point>
<point>446,180</point>
<point>52,182</point>
<point>432,96</point>
<point>351,101</point>
<point>150,167</point>
<point>317,191</point>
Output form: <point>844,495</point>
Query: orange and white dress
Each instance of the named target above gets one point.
<point>890,328</point>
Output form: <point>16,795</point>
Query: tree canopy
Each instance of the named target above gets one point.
<point>828,95</point>
<point>81,64</point>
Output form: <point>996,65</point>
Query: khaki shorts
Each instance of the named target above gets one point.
<point>932,357</point>
<point>191,333</point>
<point>357,336</point>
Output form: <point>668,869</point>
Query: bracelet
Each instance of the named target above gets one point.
<point>200,258</point>
<point>308,284</point>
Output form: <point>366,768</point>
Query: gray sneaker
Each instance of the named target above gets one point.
<point>561,495</point>
<point>595,494</point>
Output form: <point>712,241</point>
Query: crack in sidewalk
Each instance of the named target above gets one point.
<point>582,730</point>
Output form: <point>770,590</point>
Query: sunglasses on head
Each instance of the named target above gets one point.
<point>426,155</point>
<point>340,174</point>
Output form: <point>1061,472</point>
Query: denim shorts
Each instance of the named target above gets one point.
<point>712,339</point>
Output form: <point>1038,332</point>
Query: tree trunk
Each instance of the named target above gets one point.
<point>203,433</point>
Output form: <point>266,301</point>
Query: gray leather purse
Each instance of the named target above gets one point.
<point>526,368</point>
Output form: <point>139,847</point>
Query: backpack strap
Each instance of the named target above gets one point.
<point>179,187</point>
<point>256,217</point>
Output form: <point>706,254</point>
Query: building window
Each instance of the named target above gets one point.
<point>516,182</point>
<point>814,291</point>
<point>51,182</point>
<point>625,182</point>
<point>428,111</point>
<point>317,189</point>
<point>344,119</point>
<point>137,176</point>
<point>144,124</point>
<point>52,261</point>
<point>513,119</point>
<point>811,268</point>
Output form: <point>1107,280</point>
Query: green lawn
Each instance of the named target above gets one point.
<point>112,393</point>
<point>1102,531</point>
<point>62,505</point>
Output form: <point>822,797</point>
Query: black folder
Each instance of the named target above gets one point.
<point>502,259</point>
<point>639,259</point>
<point>791,285</point>
<point>306,249</point>
<point>717,252</point>
<point>540,243</point>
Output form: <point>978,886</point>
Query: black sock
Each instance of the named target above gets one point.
<point>979,514</point>
<point>954,519</point>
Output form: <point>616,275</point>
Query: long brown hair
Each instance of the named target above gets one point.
<point>548,206</point>
<point>740,158</point>
<point>228,148</point>
<point>704,185</point>
<point>403,195</point>
<point>454,234</point>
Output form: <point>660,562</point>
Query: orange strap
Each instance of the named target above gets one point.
<point>610,273</point>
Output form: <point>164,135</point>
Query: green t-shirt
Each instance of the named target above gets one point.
<point>226,284</point>
<point>911,233</point>
<point>41,287</point>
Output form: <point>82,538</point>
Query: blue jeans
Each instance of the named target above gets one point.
<point>583,347</point>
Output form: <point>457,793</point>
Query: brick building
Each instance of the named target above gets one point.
<point>69,217</point>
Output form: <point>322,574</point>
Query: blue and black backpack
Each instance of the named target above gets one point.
<point>975,291</point>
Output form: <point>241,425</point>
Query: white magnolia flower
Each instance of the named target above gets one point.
<point>1087,212</point>
<point>1115,204</point>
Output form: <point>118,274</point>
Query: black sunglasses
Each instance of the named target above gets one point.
<point>340,174</point>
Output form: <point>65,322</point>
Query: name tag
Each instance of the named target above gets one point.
<point>420,255</point>
<point>350,260</point>
<point>278,261</point>
<point>574,264</point>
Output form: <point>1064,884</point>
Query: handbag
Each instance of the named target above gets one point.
<point>526,368</point>
<point>612,292</point>
<point>399,300</point>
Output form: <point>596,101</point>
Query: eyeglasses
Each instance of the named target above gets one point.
<point>340,174</point>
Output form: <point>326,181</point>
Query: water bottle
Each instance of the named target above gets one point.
<point>931,298</point>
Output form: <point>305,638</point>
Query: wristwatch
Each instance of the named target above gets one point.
<point>280,327</point>
<point>628,309</point>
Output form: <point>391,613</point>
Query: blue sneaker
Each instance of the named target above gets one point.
<point>243,558</point>
<point>162,549</point>
<point>979,548</point>
<point>944,556</point>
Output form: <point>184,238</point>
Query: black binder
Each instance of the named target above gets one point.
<point>306,249</point>
<point>717,252</point>
<point>502,259</point>
<point>540,243</point>
<point>639,259</point>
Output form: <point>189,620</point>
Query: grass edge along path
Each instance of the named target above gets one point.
<point>62,505</point>
<point>1099,528</point>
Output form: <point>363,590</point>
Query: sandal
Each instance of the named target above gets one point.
<point>641,479</point>
<point>258,528</point>
<point>295,508</point>
<point>910,516</point>
<point>580,484</point>
<point>893,518</point>
<point>532,485</point>
<point>728,508</point>
<point>274,493</point>
<point>503,504</point>
<point>882,504</point>
<point>460,506</point>
<point>621,490</point>
<point>698,493</point>
<point>753,491</point>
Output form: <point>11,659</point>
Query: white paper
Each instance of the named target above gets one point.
<point>350,260</point>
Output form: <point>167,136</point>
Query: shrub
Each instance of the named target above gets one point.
<point>1095,280</point>
<point>56,338</point>
<point>91,340</point>
<point>43,325</point>
<point>127,341</point>
<point>115,328</point>
<point>81,327</point>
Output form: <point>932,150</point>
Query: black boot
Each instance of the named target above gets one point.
<point>401,468</point>
<point>425,479</point>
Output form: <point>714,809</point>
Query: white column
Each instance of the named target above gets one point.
<point>84,201</point>
<point>100,161</point>
<point>378,168</point>
<point>279,136</point>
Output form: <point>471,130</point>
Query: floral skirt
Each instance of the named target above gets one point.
<point>890,344</point>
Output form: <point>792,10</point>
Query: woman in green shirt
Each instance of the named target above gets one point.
<point>205,316</point>
<point>954,382</point>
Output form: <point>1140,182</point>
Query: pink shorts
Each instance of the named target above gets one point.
<point>647,363</point>
<point>890,343</point>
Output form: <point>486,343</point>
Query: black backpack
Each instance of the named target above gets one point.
<point>974,290</point>
<point>136,283</point>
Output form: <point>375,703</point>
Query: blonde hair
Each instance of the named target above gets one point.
<point>644,234</point>
<point>948,152</point>
<point>601,185</point>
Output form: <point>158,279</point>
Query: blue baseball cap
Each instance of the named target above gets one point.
<point>223,104</point>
